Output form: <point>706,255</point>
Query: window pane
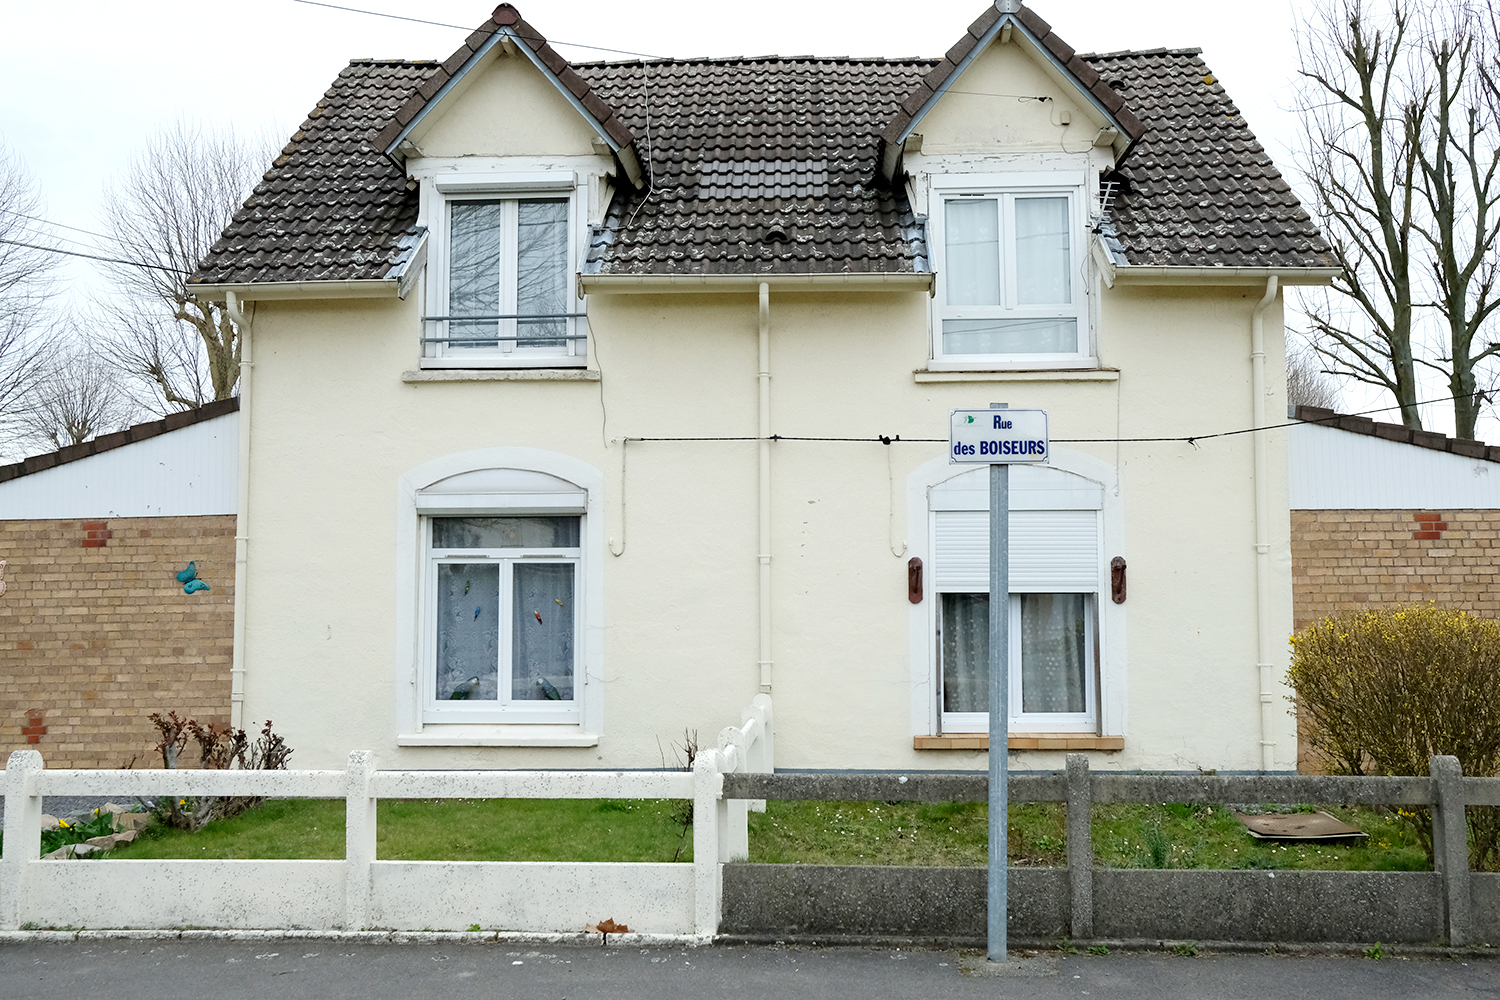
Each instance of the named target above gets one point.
<point>1053,652</point>
<point>468,632</point>
<point>1010,336</point>
<point>966,652</point>
<point>971,228</point>
<point>474,272</point>
<point>505,532</point>
<point>1043,261</point>
<point>542,647</point>
<point>541,271</point>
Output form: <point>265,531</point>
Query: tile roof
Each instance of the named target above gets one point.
<point>1197,189</point>
<point>768,165</point>
<point>759,166</point>
<point>1396,432</point>
<point>119,439</point>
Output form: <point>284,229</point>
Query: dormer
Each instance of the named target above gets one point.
<point>515,157</point>
<point>1001,147</point>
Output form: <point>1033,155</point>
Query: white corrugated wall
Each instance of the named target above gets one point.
<point>1342,470</point>
<point>184,472</point>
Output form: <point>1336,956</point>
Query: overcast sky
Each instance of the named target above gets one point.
<point>82,84</point>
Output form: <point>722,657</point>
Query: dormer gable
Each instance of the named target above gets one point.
<point>1041,93</point>
<point>506,63</point>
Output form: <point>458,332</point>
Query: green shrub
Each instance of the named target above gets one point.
<point>1381,692</point>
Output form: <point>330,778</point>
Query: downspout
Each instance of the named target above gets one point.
<point>1265,643</point>
<point>765,487</point>
<point>232,307</point>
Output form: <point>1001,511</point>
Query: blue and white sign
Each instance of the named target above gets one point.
<point>997,437</point>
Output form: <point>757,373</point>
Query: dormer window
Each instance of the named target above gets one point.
<point>1010,273</point>
<point>502,271</point>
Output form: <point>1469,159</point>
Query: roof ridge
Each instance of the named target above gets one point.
<point>1160,50</point>
<point>1400,434</point>
<point>702,60</point>
<point>119,439</point>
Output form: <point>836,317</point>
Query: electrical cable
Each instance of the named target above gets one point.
<point>89,256</point>
<point>1191,439</point>
<point>460,27</point>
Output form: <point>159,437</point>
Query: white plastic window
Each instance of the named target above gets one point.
<point>502,600</point>
<point>1009,286</point>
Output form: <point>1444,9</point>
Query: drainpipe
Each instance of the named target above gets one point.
<point>232,307</point>
<point>1265,643</point>
<point>765,487</point>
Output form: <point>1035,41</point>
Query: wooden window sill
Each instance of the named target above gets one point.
<point>1021,741</point>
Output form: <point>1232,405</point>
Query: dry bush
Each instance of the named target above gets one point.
<point>1384,691</point>
<point>218,749</point>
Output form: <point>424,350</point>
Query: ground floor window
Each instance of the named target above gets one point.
<point>1051,655</point>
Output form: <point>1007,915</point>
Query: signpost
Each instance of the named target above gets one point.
<point>998,437</point>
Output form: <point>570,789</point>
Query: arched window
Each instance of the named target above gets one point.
<point>501,549</point>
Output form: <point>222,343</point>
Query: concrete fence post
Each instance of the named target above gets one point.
<point>763,760</point>
<point>23,832</point>
<point>359,838</point>
<point>1080,814</point>
<point>1450,844</point>
<point>734,832</point>
<point>708,790</point>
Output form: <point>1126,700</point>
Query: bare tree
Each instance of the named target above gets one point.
<point>1401,148</point>
<point>182,191</point>
<point>80,398</point>
<point>26,346</point>
<point>1307,383</point>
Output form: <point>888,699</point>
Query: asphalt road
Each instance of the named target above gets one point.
<point>330,970</point>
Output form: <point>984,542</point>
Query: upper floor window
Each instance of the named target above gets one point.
<point>501,274</point>
<point>1010,288</point>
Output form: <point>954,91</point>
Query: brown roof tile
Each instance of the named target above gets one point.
<point>1431,440</point>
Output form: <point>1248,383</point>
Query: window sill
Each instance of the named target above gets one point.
<point>501,375</point>
<point>1021,741</point>
<point>498,736</point>
<point>1019,375</point>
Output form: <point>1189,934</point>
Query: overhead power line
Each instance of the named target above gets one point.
<point>90,256</point>
<point>461,27</point>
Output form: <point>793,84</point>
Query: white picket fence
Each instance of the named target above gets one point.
<point>361,892</point>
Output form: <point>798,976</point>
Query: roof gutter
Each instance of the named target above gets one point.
<point>267,291</point>
<point>1126,274</point>
<point>625,284</point>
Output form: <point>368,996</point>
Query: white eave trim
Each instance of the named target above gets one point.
<point>267,291</point>
<point>644,283</point>
<point>1127,274</point>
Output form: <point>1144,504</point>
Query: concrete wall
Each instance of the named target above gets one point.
<point>1344,560</point>
<point>96,633</point>
<point>830,903</point>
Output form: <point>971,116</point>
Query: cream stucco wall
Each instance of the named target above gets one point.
<point>335,427</point>
<point>993,107</point>
<point>503,107</point>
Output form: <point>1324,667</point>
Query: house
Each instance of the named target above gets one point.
<point>591,400</point>
<point>96,630</point>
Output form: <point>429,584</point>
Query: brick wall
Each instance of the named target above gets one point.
<point>96,634</point>
<point>1343,560</point>
<point>1347,559</point>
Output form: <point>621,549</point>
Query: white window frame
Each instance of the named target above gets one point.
<point>509,189</point>
<point>1109,647</point>
<point>421,495</point>
<point>505,709</point>
<point>1005,188</point>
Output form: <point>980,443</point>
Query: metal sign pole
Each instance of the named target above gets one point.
<point>999,702</point>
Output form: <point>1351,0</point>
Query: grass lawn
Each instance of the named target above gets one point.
<point>1125,836</point>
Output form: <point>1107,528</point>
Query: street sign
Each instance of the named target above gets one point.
<point>990,437</point>
<point>998,437</point>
